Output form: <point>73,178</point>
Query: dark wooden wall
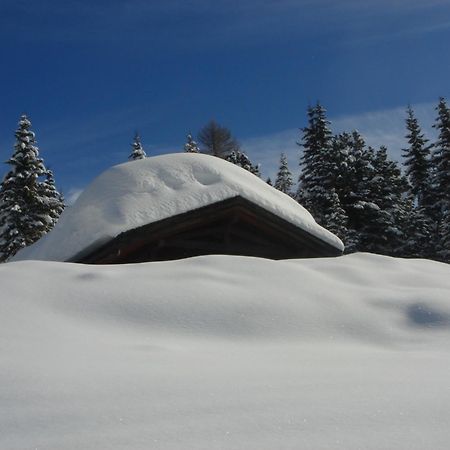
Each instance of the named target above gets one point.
<point>232,227</point>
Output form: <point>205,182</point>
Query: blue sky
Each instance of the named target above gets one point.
<point>91,73</point>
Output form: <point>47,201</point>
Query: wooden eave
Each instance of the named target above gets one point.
<point>234,226</point>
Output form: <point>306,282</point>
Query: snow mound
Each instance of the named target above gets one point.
<point>144,191</point>
<point>360,296</point>
<point>220,352</point>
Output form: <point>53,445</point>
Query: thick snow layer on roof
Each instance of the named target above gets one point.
<point>145,191</point>
<point>222,352</point>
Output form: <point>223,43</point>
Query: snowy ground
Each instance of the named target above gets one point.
<point>224,352</point>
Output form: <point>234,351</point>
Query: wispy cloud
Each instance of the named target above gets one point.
<point>376,35</point>
<point>385,127</point>
<point>222,20</point>
<point>266,150</point>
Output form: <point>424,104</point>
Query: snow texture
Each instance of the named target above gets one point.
<point>223,352</point>
<point>145,191</point>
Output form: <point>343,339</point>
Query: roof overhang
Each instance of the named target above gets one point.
<point>233,226</point>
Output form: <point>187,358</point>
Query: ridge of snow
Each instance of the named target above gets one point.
<point>139,192</point>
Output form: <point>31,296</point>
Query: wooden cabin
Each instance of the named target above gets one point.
<point>234,226</point>
<point>180,205</point>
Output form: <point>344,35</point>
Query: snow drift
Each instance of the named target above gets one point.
<point>148,190</point>
<point>220,352</point>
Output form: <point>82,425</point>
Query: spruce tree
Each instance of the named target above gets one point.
<point>340,164</point>
<point>417,161</point>
<point>284,181</point>
<point>316,143</point>
<point>54,199</point>
<point>30,204</point>
<point>334,216</point>
<point>441,185</point>
<point>373,198</point>
<point>137,149</point>
<point>419,228</point>
<point>354,191</point>
<point>419,232</point>
<point>322,165</point>
<point>191,146</point>
<point>242,160</point>
<point>387,188</point>
<point>444,237</point>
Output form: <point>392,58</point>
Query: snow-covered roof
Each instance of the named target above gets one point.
<point>140,192</point>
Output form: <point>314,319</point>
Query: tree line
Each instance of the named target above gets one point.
<point>350,188</point>
<point>357,191</point>
<point>363,196</point>
<point>215,140</point>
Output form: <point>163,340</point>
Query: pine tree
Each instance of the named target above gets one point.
<point>284,181</point>
<point>444,237</point>
<point>418,231</point>
<point>269,181</point>
<point>417,161</point>
<point>441,157</point>
<point>387,189</point>
<point>373,198</point>
<point>242,160</point>
<point>30,204</point>
<point>340,164</point>
<point>334,217</point>
<point>354,191</point>
<point>54,199</point>
<point>316,143</point>
<point>441,185</point>
<point>191,146</point>
<point>322,162</point>
<point>138,151</point>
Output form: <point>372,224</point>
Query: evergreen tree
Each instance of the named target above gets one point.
<point>334,217</point>
<point>441,185</point>
<point>361,168</point>
<point>137,149</point>
<point>418,231</point>
<point>444,237</point>
<point>217,140</point>
<point>316,143</point>
<point>242,160</point>
<point>30,204</point>
<point>417,161</point>
<point>324,163</point>
<point>373,198</point>
<point>340,165</point>
<point>191,146</point>
<point>371,189</point>
<point>269,181</point>
<point>54,199</point>
<point>354,191</point>
<point>387,188</point>
<point>419,228</point>
<point>284,181</point>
